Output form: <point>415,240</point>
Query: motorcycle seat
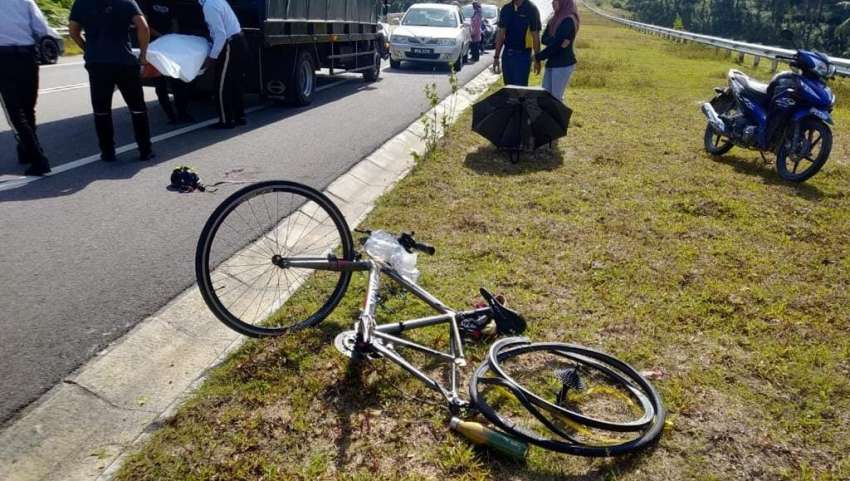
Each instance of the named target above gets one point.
<point>752,88</point>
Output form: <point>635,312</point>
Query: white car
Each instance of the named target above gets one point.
<point>431,33</point>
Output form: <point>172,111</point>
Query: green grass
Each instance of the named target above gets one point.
<point>71,47</point>
<point>627,238</point>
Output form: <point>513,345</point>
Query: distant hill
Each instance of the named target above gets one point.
<point>818,24</point>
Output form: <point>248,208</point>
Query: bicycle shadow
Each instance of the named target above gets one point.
<point>769,176</point>
<point>489,160</point>
<point>594,469</point>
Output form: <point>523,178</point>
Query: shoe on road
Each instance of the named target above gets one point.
<point>147,155</point>
<point>37,170</point>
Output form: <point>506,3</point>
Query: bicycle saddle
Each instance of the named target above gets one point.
<point>508,322</point>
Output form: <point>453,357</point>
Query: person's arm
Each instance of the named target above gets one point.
<point>75,31</point>
<point>38,25</point>
<point>536,45</point>
<point>500,41</point>
<point>217,32</point>
<point>143,34</point>
<point>535,37</point>
<point>562,39</point>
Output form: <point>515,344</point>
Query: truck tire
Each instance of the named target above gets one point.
<point>302,85</point>
<point>372,74</point>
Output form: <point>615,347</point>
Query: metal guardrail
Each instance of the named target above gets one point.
<point>61,30</point>
<point>757,51</point>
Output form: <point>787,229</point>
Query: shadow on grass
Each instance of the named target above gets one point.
<point>489,160</point>
<point>609,468</point>
<point>768,173</point>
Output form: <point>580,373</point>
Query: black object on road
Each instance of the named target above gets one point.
<point>521,118</point>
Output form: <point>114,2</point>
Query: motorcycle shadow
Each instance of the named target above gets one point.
<point>767,171</point>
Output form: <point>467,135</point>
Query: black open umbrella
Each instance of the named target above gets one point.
<point>521,118</point>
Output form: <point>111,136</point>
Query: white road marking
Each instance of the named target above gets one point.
<point>8,182</point>
<point>64,64</point>
<point>16,181</point>
<point>63,88</point>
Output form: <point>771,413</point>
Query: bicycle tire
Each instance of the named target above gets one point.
<point>563,442</point>
<point>255,245</point>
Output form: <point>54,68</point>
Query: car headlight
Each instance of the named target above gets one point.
<point>447,42</point>
<point>399,39</point>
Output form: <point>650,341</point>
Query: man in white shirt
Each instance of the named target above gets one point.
<point>21,26</point>
<point>229,54</point>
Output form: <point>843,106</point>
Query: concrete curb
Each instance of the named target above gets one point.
<point>83,428</point>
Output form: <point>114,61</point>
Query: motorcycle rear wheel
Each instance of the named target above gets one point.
<point>815,135</point>
<point>716,144</point>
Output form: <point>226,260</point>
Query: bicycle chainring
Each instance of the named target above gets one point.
<point>346,342</point>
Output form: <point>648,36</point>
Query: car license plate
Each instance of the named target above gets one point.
<point>423,50</point>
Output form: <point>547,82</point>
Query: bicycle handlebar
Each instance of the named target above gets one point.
<point>408,242</point>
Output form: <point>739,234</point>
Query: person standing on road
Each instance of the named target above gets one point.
<point>229,54</point>
<point>475,30</point>
<point>21,26</point>
<point>111,63</point>
<point>162,21</point>
<point>519,34</point>
<point>559,38</point>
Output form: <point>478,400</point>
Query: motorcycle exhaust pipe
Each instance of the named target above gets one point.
<point>713,119</point>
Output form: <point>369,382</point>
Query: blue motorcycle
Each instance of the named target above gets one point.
<point>790,116</point>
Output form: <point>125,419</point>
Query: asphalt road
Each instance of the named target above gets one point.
<point>89,252</point>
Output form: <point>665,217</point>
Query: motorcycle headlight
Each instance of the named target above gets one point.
<point>399,39</point>
<point>446,42</point>
<point>822,68</point>
<point>832,70</point>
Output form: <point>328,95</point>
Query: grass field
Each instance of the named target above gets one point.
<point>627,238</point>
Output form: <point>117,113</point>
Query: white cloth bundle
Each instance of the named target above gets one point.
<point>179,56</point>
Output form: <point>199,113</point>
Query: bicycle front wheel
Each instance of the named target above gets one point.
<point>567,398</point>
<point>238,267</point>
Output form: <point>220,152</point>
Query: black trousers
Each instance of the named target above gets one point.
<point>18,95</point>
<point>476,50</point>
<point>181,97</point>
<point>103,79</point>
<point>230,73</point>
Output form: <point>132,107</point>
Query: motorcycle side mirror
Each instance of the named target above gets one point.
<point>787,35</point>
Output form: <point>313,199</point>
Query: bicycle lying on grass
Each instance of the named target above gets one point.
<point>278,256</point>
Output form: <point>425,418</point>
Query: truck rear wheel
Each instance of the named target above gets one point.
<point>302,85</point>
<point>372,74</point>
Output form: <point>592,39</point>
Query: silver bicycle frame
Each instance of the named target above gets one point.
<point>367,328</point>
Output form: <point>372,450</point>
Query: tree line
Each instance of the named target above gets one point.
<point>817,24</point>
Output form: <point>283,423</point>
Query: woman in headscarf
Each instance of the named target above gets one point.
<point>559,38</point>
<point>475,30</point>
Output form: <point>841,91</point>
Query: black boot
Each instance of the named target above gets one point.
<point>142,132</point>
<point>103,126</point>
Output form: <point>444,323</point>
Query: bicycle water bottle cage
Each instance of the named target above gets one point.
<point>508,322</point>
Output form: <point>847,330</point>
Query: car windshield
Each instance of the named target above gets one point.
<point>430,17</point>
<point>490,11</point>
<point>467,10</point>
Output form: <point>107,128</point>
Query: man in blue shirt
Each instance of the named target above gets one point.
<point>111,63</point>
<point>519,33</point>
<point>21,26</point>
<point>229,55</point>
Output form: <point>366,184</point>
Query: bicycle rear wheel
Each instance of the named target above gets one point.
<point>235,259</point>
<point>567,398</point>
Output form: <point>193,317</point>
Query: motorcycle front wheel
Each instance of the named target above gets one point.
<point>799,163</point>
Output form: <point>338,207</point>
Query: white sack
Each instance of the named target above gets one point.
<point>179,56</point>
